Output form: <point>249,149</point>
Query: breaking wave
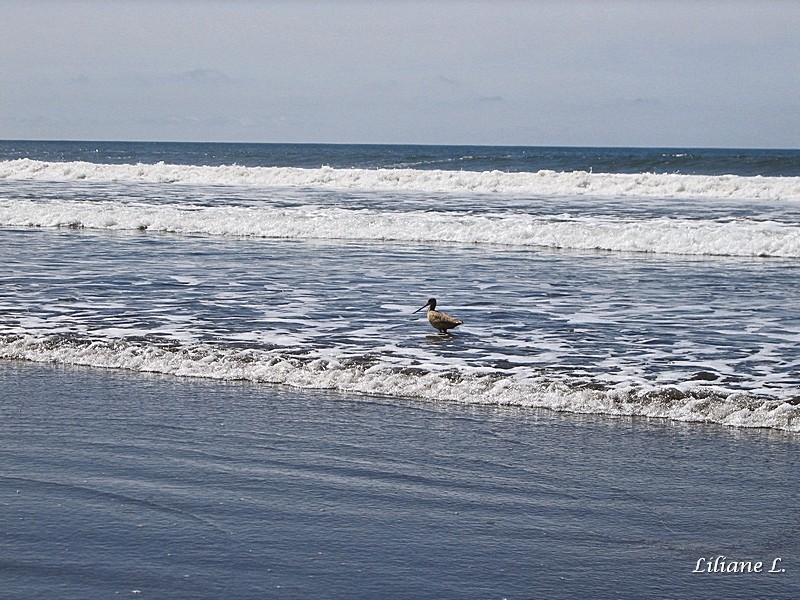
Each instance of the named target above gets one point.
<point>371,376</point>
<point>732,237</point>
<point>540,183</point>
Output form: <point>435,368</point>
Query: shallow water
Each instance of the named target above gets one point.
<point>119,484</point>
<point>581,331</point>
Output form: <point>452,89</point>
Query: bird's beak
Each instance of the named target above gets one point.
<point>427,304</point>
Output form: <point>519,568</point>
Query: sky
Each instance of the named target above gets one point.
<point>663,73</point>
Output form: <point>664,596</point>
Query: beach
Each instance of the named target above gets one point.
<point>133,485</point>
<point>215,384</point>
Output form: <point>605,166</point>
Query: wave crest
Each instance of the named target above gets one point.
<point>540,183</point>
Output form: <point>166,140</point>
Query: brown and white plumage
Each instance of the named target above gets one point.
<point>439,320</point>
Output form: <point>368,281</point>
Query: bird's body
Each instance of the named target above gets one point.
<point>438,319</point>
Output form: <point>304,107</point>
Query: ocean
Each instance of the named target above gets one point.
<point>210,347</point>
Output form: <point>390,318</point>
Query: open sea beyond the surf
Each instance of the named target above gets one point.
<point>213,383</point>
<point>648,282</point>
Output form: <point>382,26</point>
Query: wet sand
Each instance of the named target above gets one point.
<point>115,484</point>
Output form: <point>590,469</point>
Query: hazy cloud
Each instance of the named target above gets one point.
<point>671,72</point>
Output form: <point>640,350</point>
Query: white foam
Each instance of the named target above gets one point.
<point>657,235</point>
<point>378,378</point>
<point>540,183</point>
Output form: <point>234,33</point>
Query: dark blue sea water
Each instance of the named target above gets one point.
<point>689,161</point>
<point>214,383</point>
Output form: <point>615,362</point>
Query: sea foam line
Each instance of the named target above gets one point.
<point>540,183</point>
<point>743,238</point>
<point>205,361</point>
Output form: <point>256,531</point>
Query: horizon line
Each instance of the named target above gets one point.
<point>407,144</point>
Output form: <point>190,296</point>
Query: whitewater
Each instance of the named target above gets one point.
<point>664,235</point>
<point>686,402</point>
<point>726,235</point>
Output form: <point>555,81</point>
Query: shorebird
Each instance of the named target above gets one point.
<point>439,320</point>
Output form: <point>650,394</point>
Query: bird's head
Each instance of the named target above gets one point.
<point>431,304</point>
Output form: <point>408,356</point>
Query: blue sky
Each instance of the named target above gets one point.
<point>565,72</point>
